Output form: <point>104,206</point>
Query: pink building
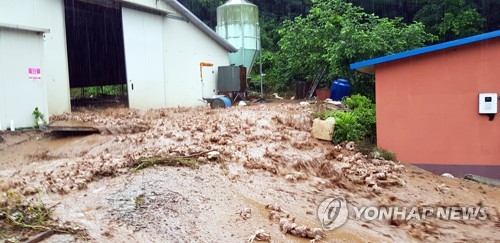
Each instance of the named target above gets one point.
<point>428,105</point>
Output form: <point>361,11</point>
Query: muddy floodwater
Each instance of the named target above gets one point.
<point>266,156</point>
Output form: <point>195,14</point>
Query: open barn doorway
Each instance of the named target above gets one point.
<point>96,59</point>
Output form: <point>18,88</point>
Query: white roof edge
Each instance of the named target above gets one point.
<point>25,28</point>
<point>139,6</point>
<point>202,26</point>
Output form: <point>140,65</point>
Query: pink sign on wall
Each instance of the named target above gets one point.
<point>34,74</point>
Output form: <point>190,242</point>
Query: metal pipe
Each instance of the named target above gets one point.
<point>261,77</point>
<point>261,74</point>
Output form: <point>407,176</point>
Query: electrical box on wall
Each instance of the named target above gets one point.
<point>488,103</point>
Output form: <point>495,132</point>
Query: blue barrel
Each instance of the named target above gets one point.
<point>227,101</point>
<point>340,89</point>
<point>221,102</point>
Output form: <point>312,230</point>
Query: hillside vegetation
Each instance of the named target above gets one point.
<point>300,38</point>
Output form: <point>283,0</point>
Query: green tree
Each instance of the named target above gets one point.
<point>333,35</point>
<point>451,19</point>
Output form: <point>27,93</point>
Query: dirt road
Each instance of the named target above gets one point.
<point>267,157</point>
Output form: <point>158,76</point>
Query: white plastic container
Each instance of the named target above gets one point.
<point>323,130</point>
<point>12,126</point>
<point>40,122</point>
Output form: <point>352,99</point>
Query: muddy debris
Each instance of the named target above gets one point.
<point>265,143</point>
<point>29,219</point>
<point>166,161</point>
<point>118,121</point>
<point>443,188</point>
<point>246,213</point>
<point>42,156</point>
<point>302,159</point>
<point>75,176</point>
<point>148,210</point>
<point>260,235</point>
<point>350,146</point>
<point>287,224</point>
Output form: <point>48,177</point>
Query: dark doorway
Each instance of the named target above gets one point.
<point>96,58</point>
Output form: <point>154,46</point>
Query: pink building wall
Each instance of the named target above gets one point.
<point>427,108</point>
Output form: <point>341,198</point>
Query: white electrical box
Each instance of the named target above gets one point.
<point>488,103</point>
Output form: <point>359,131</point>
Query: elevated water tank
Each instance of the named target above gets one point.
<point>238,23</point>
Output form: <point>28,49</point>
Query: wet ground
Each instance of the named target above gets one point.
<point>268,157</point>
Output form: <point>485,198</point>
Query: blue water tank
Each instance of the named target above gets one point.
<point>340,89</point>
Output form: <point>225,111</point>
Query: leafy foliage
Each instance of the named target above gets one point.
<point>21,217</point>
<point>359,124</point>
<point>358,101</point>
<point>301,37</point>
<point>371,150</point>
<point>98,91</point>
<point>386,154</point>
<point>347,127</point>
<point>366,117</point>
<point>38,117</point>
<point>18,214</point>
<point>451,19</point>
<point>433,9</point>
<point>429,12</point>
<point>333,35</point>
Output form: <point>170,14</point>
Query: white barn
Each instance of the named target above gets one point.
<point>154,46</point>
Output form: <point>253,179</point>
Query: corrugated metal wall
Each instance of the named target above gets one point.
<point>22,87</point>
<point>168,72</point>
<point>45,14</point>
<point>143,34</point>
<point>184,47</point>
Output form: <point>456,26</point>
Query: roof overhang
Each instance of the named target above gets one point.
<point>24,28</point>
<point>202,26</point>
<point>142,7</point>
<point>368,66</point>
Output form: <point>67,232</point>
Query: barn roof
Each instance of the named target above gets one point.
<point>368,66</point>
<point>202,26</point>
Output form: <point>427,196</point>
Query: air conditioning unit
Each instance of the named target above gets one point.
<point>232,79</point>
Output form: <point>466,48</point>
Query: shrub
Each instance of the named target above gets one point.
<point>317,114</point>
<point>358,101</point>
<point>38,117</point>
<point>329,113</point>
<point>347,127</point>
<point>368,121</point>
<point>371,150</point>
<point>386,154</point>
<point>324,114</point>
<point>355,125</point>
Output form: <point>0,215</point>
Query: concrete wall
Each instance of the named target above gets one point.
<point>45,14</point>
<point>427,106</point>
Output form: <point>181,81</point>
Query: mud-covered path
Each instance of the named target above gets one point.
<point>268,157</point>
